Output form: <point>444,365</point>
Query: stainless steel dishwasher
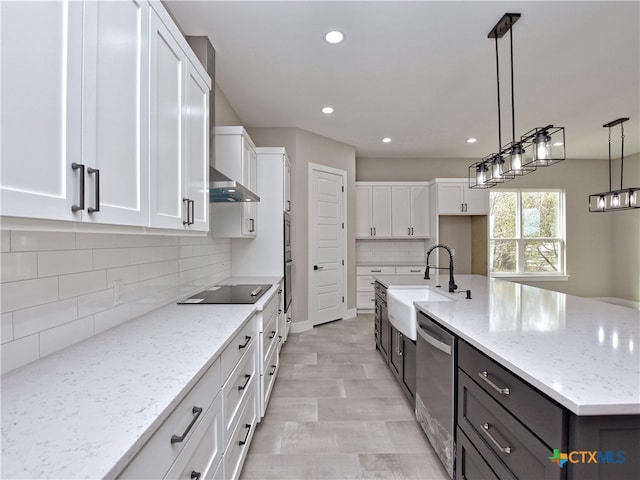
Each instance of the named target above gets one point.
<point>435,387</point>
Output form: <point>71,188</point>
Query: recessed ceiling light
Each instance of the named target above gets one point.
<point>334,37</point>
<point>327,110</point>
<point>472,140</point>
<point>386,140</point>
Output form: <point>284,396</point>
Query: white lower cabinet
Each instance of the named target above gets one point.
<point>207,435</point>
<point>269,338</point>
<point>365,293</point>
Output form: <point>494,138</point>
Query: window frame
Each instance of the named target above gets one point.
<point>520,274</point>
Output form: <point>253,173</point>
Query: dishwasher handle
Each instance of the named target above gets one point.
<point>434,342</point>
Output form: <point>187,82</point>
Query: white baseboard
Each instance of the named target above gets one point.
<point>297,327</point>
<point>618,301</point>
<point>352,313</point>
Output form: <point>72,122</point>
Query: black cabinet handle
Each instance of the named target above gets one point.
<point>195,475</point>
<point>193,212</point>
<point>253,225</point>
<point>248,427</point>
<point>247,377</point>
<point>196,413</point>
<point>272,336</point>
<point>411,230</point>
<point>247,339</point>
<point>273,372</point>
<point>96,172</point>
<point>76,166</point>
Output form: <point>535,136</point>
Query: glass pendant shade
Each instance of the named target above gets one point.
<point>546,146</point>
<point>480,175</point>
<point>514,156</point>
<point>497,171</point>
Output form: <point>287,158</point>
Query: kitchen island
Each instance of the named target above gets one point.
<point>581,355</point>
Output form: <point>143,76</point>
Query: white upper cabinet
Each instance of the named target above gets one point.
<point>410,211</point>
<point>80,140</point>
<point>456,198</point>
<point>114,106</point>
<point>197,150</point>
<point>236,158</point>
<point>41,109</point>
<point>168,64</point>
<point>373,211</point>
<point>287,185</point>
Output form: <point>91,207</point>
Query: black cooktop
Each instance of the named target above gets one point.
<point>227,294</point>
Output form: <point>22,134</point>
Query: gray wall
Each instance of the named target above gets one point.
<point>303,148</point>
<point>602,248</point>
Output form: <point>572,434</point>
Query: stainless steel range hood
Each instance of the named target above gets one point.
<point>223,189</point>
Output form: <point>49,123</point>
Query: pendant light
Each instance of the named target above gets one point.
<point>539,147</point>
<point>623,198</point>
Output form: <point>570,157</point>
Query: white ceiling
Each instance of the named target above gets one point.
<point>424,73</point>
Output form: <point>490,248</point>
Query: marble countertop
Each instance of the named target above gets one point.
<point>582,353</point>
<point>85,411</point>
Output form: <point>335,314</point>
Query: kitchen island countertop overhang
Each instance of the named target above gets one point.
<point>582,353</point>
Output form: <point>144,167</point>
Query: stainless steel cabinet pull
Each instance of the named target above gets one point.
<point>76,166</point>
<point>96,172</point>
<point>273,372</point>
<point>485,376</point>
<point>196,413</point>
<point>248,427</point>
<point>195,475</point>
<point>186,222</point>
<point>247,339</point>
<point>485,429</point>
<point>247,377</point>
<point>273,335</point>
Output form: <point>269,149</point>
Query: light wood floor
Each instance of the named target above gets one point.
<point>336,412</point>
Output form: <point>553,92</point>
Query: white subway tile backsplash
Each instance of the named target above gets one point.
<point>6,327</point>
<point>18,266</point>
<point>112,317</point>
<point>36,241</point>
<point>63,262</point>
<point>390,251</point>
<point>58,288</point>
<point>35,319</point>
<point>62,336</point>
<point>20,352</point>
<point>111,258</point>
<point>97,240</point>
<point>95,302</point>
<point>124,275</point>
<point>28,293</point>
<point>5,240</point>
<point>82,283</point>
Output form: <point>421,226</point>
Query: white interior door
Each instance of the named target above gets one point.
<point>327,244</point>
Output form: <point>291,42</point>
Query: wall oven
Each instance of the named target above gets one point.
<point>288,262</point>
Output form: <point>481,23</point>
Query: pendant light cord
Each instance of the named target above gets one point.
<point>513,108</point>
<point>621,154</point>
<point>609,158</point>
<point>498,83</point>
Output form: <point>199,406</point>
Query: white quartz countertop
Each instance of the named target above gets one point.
<point>582,353</point>
<point>85,411</point>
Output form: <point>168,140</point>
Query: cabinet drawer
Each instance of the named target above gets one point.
<point>269,311</point>
<point>411,270</point>
<point>207,454</point>
<point>241,383</point>
<point>271,366</point>
<point>487,423</point>
<point>238,447</point>
<point>375,270</point>
<point>470,464</point>
<point>269,337</point>
<point>238,346</point>
<point>540,414</point>
<point>365,300</point>
<point>157,455</point>
<point>365,283</point>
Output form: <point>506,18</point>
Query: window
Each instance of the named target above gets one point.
<point>526,233</point>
